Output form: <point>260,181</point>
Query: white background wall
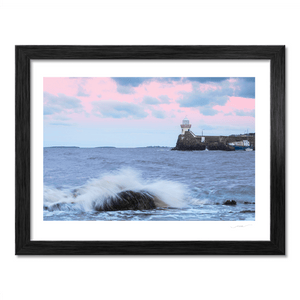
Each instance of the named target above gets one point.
<point>256,22</point>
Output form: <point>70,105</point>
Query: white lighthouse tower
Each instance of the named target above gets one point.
<point>185,126</point>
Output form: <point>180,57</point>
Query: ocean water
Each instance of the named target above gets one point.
<point>193,184</point>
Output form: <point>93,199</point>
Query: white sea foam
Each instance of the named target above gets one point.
<point>99,190</point>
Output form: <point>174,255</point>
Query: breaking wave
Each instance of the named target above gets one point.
<point>113,190</point>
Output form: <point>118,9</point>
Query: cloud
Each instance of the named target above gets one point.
<point>99,96</point>
<point>243,113</point>
<point>153,101</point>
<point>160,114</point>
<point>245,87</point>
<point>50,110</point>
<point>82,92</point>
<point>248,79</point>
<point>62,118</point>
<point>125,90</point>
<point>168,79</point>
<point>150,100</point>
<point>81,82</point>
<point>116,109</point>
<point>137,81</point>
<point>198,98</point>
<point>131,81</point>
<point>82,79</point>
<point>60,124</point>
<point>216,92</point>
<point>206,79</point>
<point>164,98</point>
<point>61,103</point>
<point>208,111</point>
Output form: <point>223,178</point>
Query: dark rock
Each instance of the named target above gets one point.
<point>230,202</point>
<point>247,211</point>
<point>189,142</point>
<point>220,146</point>
<point>127,200</point>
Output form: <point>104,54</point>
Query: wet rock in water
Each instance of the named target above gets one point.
<point>230,202</point>
<point>190,142</point>
<point>127,200</point>
<point>59,206</point>
<point>220,146</point>
<point>246,202</point>
<point>247,211</point>
<point>75,193</point>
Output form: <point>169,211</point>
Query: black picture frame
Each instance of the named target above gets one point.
<point>23,244</point>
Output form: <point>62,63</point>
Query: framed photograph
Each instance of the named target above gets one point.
<point>150,150</point>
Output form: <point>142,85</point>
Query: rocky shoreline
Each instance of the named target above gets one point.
<point>218,146</point>
<point>190,142</point>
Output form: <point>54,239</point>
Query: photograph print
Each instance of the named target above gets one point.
<point>149,149</point>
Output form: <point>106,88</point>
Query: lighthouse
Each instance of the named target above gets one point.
<point>185,126</point>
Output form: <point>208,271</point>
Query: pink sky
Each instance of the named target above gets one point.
<point>153,105</point>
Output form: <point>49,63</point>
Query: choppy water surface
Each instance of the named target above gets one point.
<point>193,184</point>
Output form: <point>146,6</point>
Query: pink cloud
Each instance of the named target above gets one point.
<point>106,89</point>
<point>236,103</point>
<point>204,87</point>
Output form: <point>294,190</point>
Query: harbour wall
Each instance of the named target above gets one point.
<point>190,142</point>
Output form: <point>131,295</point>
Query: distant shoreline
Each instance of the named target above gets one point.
<point>62,147</point>
<point>106,147</point>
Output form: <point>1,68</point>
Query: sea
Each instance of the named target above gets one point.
<point>194,185</point>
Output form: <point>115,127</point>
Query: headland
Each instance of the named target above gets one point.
<point>188,141</point>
